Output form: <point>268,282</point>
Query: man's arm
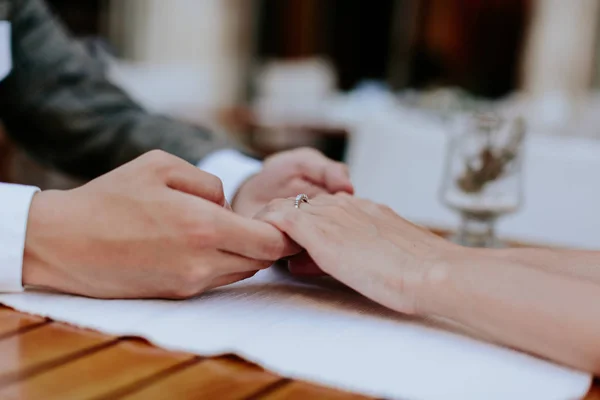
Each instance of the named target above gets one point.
<point>60,107</point>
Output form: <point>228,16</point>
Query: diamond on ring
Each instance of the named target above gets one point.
<point>301,198</point>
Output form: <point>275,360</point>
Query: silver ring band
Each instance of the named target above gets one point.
<point>301,198</point>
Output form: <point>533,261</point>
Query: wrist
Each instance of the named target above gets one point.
<point>436,295</point>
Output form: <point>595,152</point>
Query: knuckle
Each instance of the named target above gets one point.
<point>344,202</point>
<point>384,209</point>
<point>334,211</point>
<point>157,156</point>
<point>308,152</point>
<point>196,276</point>
<point>370,208</point>
<point>161,162</point>
<point>189,282</point>
<point>360,202</point>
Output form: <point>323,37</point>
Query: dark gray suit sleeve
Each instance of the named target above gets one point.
<point>60,107</point>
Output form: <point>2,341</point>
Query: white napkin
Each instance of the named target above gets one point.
<point>324,334</point>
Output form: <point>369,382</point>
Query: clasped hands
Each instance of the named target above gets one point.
<point>158,227</point>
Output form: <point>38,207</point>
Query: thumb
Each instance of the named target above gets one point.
<point>331,175</point>
<point>189,179</point>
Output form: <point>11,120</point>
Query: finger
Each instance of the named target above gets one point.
<point>224,262</point>
<point>337,178</point>
<point>222,268</point>
<point>279,205</point>
<point>249,238</point>
<point>302,186</point>
<point>317,202</point>
<point>299,224</point>
<point>187,178</point>
<point>330,199</point>
<point>329,174</point>
<point>303,265</point>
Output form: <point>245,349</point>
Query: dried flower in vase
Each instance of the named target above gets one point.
<point>491,163</point>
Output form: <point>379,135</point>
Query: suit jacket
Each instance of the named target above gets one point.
<point>58,105</point>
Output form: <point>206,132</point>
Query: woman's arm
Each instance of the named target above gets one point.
<point>544,302</point>
<point>579,264</point>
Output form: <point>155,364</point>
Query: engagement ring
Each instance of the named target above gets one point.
<point>301,198</point>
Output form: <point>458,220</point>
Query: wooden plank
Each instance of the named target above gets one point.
<point>47,346</point>
<point>300,391</point>
<point>12,321</point>
<point>222,379</point>
<point>96,375</point>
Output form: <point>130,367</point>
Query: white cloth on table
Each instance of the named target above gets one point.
<point>325,334</point>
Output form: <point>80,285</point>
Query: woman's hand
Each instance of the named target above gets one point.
<point>290,172</point>
<point>362,244</point>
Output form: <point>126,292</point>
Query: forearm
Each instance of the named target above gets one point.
<point>578,264</point>
<point>511,299</point>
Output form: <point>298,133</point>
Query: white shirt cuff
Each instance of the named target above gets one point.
<point>14,212</point>
<point>232,167</point>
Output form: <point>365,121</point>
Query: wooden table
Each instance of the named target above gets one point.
<point>44,359</point>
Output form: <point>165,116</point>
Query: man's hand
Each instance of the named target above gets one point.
<point>154,228</point>
<point>289,174</point>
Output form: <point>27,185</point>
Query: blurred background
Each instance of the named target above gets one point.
<point>373,83</point>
